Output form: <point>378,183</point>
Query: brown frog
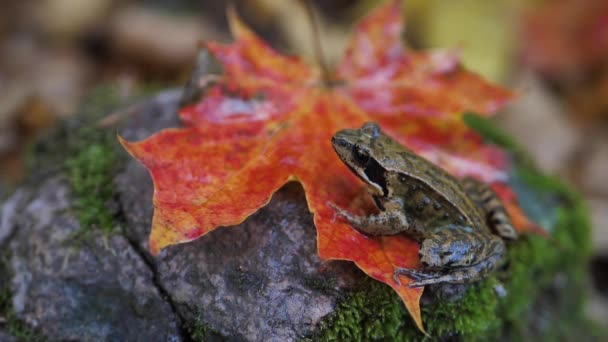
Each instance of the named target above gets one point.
<point>460,224</point>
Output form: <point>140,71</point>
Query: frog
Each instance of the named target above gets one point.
<point>461,225</point>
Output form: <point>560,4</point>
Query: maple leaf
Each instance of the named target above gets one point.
<point>268,119</point>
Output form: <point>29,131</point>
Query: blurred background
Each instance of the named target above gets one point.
<point>554,53</point>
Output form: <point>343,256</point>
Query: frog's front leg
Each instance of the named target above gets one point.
<point>462,259</point>
<point>388,222</point>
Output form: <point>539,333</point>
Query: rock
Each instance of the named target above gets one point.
<point>593,175</point>
<point>8,213</point>
<point>102,290</point>
<point>258,281</point>
<point>598,208</point>
<point>5,337</point>
<point>597,308</point>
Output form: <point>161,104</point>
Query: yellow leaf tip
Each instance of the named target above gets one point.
<point>125,143</point>
<point>237,27</point>
<point>154,248</point>
<point>121,140</point>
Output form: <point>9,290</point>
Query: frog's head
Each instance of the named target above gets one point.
<point>362,151</point>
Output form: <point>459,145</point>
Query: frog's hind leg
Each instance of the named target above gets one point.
<point>444,272</point>
<point>497,218</point>
<point>455,276</point>
<point>455,247</point>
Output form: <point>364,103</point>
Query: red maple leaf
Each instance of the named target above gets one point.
<point>268,120</point>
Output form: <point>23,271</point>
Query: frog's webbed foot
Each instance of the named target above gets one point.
<point>420,278</point>
<point>385,223</point>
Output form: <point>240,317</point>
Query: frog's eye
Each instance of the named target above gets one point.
<point>361,156</point>
<point>371,129</point>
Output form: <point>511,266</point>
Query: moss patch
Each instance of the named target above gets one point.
<point>90,172</point>
<point>358,318</point>
<point>89,158</point>
<point>199,331</point>
<point>375,312</point>
<point>543,279</point>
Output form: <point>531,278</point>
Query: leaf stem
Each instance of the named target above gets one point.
<point>319,55</point>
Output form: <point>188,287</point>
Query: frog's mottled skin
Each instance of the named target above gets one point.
<point>460,224</point>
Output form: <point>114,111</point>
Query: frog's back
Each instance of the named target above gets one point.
<point>431,191</point>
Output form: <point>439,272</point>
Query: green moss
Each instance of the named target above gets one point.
<point>199,331</point>
<point>544,278</point>
<point>471,316</point>
<point>375,312</point>
<point>89,157</point>
<point>90,172</point>
<point>91,165</point>
<point>550,273</point>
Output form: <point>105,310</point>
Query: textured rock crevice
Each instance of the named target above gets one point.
<point>145,257</point>
<point>259,280</point>
<point>100,290</point>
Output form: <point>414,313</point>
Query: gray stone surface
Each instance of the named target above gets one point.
<point>598,208</point>
<point>258,281</point>
<point>5,337</point>
<point>102,290</point>
<point>8,212</point>
<point>595,168</point>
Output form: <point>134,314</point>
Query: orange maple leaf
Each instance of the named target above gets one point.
<point>268,119</point>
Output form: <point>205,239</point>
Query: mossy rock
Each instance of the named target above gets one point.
<point>67,272</point>
<point>543,285</point>
<point>85,154</point>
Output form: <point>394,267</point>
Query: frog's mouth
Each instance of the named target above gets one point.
<point>373,179</point>
<point>375,176</point>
